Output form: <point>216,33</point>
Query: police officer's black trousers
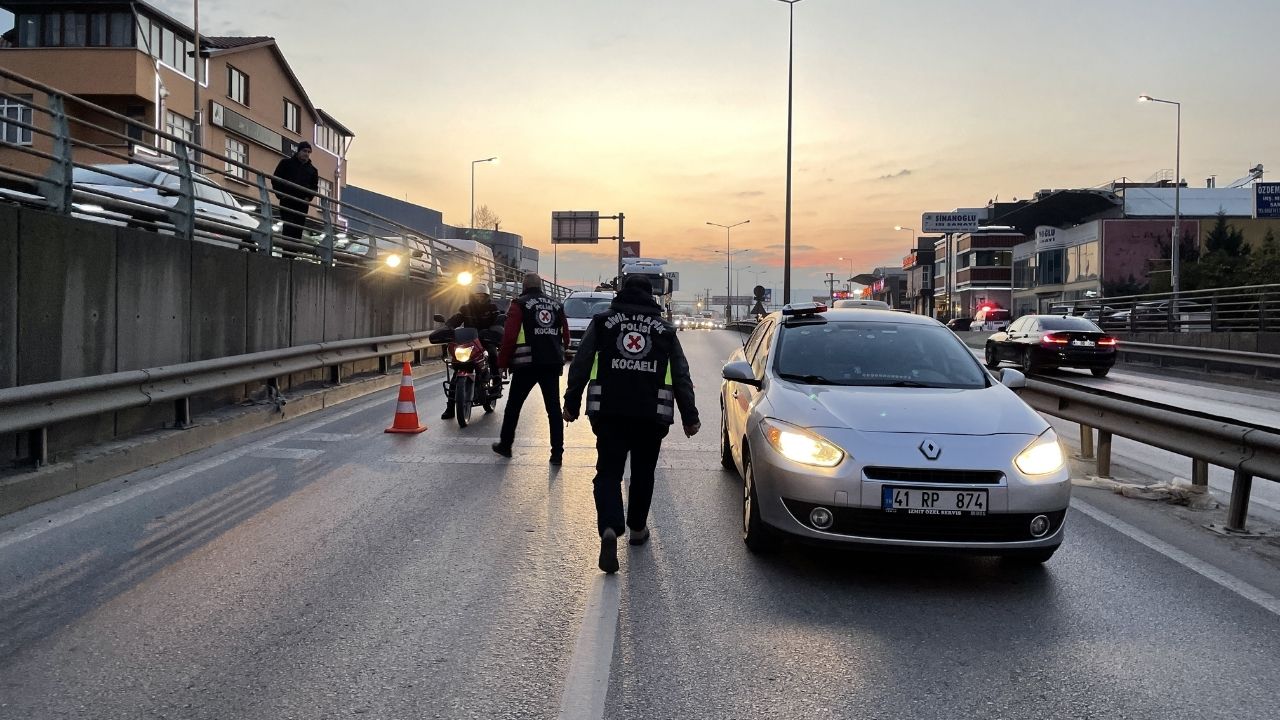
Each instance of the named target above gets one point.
<point>616,437</point>
<point>522,382</point>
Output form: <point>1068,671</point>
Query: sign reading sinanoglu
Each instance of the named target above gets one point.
<point>949,222</point>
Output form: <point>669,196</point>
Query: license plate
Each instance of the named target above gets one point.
<point>930,501</point>
<point>1082,343</point>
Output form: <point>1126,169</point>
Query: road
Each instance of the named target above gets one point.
<point>324,569</point>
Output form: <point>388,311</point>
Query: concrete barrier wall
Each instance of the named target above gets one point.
<point>79,298</point>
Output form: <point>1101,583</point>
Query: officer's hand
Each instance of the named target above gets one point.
<point>691,430</point>
<point>568,415</point>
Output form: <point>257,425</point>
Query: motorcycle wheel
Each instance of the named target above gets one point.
<point>463,394</point>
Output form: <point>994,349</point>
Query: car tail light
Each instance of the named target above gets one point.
<point>1108,341</point>
<point>1054,339</point>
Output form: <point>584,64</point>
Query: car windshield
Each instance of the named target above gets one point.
<point>877,354</point>
<point>997,315</point>
<point>1068,323</point>
<point>585,307</point>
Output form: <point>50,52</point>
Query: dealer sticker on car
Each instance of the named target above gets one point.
<point>927,501</point>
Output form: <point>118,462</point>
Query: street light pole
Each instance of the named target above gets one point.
<point>786,251</point>
<point>1176,239</point>
<point>197,132</point>
<point>848,284</point>
<point>728,288</point>
<point>473,188</point>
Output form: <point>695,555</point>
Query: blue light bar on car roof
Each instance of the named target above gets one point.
<point>809,308</point>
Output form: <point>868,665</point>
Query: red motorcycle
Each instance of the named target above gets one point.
<point>471,378</point>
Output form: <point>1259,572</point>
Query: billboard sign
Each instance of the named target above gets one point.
<point>1266,200</point>
<point>674,277</point>
<point>575,227</point>
<point>950,222</point>
<point>630,249</point>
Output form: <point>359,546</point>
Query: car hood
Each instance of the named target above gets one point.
<point>934,411</point>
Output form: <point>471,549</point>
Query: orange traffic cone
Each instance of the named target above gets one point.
<point>407,407</point>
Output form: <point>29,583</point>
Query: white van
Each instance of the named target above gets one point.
<point>579,308</point>
<point>990,319</point>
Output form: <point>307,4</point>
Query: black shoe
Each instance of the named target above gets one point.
<point>638,537</point>
<point>503,450</point>
<point>447,414</point>
<point>557,458</point>
<point>609,551</point>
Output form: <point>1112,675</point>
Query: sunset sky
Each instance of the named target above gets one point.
<point>674,111</point>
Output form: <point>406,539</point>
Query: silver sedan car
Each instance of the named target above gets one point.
<point>880,428</point>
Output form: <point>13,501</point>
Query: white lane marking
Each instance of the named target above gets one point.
<point>1249,592</point>
<point>279,453</point>
<point>324,437</point>
<point>588,681</point>
<point>43,525</point>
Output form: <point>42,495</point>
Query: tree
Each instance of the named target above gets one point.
<point>487,219</point>
<point>1264,264</point>
<point>1225,262</point>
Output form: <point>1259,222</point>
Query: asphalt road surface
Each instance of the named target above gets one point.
<point>324,569</point>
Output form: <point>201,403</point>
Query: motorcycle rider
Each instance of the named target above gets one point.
<point>479,313</point>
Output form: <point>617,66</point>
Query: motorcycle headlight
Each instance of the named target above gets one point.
<point>1042,457</point>
<point>800,445</point>
<point>462,353</point>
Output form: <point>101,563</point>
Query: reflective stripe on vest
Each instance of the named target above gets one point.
<point>524,353</point>
<point>594,388</point>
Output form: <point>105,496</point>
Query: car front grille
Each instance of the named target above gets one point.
<point>928,475</point>
<point>577,334</point>
<point>869,523</point>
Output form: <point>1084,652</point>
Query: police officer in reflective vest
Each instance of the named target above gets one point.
<point>533,344</point>
<point>635,375</point>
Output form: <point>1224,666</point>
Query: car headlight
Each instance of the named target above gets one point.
<point>1043,456</point>
<point>800,445</point>
<point>462,353</point>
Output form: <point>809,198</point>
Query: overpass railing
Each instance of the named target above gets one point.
<point>1249,308</point>
<point>63,153</point>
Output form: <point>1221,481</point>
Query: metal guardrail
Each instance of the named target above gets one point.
<point>1248,449</point>
<point>143,177</point>
<point>35,407</point>
<point>1252,360</point>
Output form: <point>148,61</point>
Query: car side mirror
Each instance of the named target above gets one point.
<point>1013,379</point>
<point>740,371</point>
<point>438,317</point>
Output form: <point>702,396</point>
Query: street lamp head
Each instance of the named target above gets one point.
<point>897,227</point>
<point>1144,98</point>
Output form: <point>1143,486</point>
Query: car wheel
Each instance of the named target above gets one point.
<point>1028,366</point>
<point>1038,556</point>
<point>993,360</point>
<point>726,452</point>
<point>758,536</point>
<point>1100,372</point>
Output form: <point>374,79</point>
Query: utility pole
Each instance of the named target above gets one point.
<point>831,287</point>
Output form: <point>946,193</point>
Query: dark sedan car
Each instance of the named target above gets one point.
<point>960,324</point>
<point>1040,342</point>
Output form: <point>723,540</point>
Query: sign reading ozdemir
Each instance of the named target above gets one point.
<point>949,222</point>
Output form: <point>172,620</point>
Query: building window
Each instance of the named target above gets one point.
<point>237,86</point>
<point>121,32</point>
<point>239,152</point>
<point>325,189</point>
<point>292,117</point>
<point>28,31</point>
<point>52,30</point>
<point>75,29</point>
<point>14,110</point>
<point>328,139</point>
<point>175,124</point>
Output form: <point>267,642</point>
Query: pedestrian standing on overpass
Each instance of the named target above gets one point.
<point>533,344</point>
<point>295,181</point>
<point>635,374</point>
